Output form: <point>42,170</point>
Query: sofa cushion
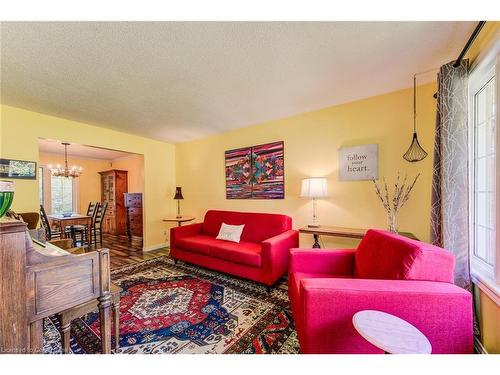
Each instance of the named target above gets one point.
<point>298,276</point>
<point>230,232</point>
<point>198,244</point>
<point>258,226</point>
<point>385,255</point>
<point>245,253</point>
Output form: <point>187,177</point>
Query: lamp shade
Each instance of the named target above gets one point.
<point>178,193</point>
<point>314,187</point>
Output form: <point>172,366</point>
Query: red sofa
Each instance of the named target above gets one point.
<point>387,272</point>
<point>262,254</point>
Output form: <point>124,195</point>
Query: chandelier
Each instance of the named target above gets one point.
<point>59,171</point>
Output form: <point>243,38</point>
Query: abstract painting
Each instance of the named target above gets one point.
<point>256,172</point>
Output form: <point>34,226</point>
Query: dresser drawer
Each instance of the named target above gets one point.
<point>135,211</point>
<point>133,200</point>
<point>136,221</point>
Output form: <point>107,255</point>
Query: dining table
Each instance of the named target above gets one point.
<point>63,221</point>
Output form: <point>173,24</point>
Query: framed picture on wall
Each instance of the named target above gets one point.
<point>21,169</point>
<point>256,172</point>
<point>358,163</point>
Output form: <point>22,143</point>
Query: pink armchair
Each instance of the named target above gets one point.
<point>387,272</point>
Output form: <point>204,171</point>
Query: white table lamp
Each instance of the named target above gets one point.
<point>314,187</point>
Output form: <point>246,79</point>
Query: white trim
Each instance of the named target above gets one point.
<point>155,247</point>
<point>487,286</point>
<point>485,276</point>
<point>497,127</point>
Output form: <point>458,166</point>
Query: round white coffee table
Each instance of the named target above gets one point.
<point>390,333</point>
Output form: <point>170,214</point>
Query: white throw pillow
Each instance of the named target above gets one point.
<point>230,232</point>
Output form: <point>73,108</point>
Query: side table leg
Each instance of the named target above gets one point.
<point>316,242</point>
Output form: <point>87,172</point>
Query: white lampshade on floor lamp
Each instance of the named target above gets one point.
<point>314,188</point>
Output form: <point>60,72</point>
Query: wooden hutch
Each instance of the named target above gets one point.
<point>113,186</point>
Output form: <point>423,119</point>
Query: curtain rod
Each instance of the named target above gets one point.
<point>473,37</point>
<point>469,43</point>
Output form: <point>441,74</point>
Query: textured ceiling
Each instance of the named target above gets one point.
<point>178,81</point>
<point>82,151</point>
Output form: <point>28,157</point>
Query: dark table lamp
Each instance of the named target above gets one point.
<point>178,196</point>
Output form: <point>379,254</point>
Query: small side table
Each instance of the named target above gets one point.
<point>179,220</point>
<point>328,230</point>
<point>391,334</point>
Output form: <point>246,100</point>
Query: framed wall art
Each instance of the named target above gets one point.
<point>256,172</point>
<point>358,163</point>
<point>21,169</point>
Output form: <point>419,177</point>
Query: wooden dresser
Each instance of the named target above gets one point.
<point>133,205</point>
<point>113,186</point>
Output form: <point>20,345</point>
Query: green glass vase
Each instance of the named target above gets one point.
<point>6,196</point>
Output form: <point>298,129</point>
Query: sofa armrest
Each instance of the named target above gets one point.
<point>177,233</point>
<point>338,262</point>
<point>275,253</point>
<point>441,311</point>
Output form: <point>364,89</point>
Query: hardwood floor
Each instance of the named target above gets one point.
<point>123,253</point>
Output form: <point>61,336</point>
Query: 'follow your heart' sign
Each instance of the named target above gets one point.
<point>358,163</point>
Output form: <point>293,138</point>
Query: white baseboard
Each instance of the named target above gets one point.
<point>479,346</point>
<point>155,247</point>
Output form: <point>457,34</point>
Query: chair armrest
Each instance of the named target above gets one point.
<point>65,243</point>
<point>177,233</point>
<point>338,262</point>
<point>276,252</point>
<point>441,311</point>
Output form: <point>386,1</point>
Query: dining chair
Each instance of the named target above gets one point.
<point>30,218</point>
<point>97,227</point>
<point>81,230</point>
<point>50,233</point>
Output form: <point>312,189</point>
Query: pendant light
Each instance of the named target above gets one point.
<point>415,151</point>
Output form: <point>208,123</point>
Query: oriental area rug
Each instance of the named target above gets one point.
<point>180,308</point>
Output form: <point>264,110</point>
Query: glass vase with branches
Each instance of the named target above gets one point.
<point>394,201</point>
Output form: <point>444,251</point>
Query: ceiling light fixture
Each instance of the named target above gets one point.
<point>59,171</point>
<point>415,152</point>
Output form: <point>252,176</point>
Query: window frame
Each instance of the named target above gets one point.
<point>47,191</point>
<point>487,277</point>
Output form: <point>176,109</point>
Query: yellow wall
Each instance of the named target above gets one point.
<point>312,141</point>
<point>19,135</point>
<point>488,313</point>
<point>488,310</point>
<point>134,164</point>
<point>89,182</point>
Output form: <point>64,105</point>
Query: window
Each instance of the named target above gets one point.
<point>58,194</point>
<point>61,194</point>
<point>484,173</point>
